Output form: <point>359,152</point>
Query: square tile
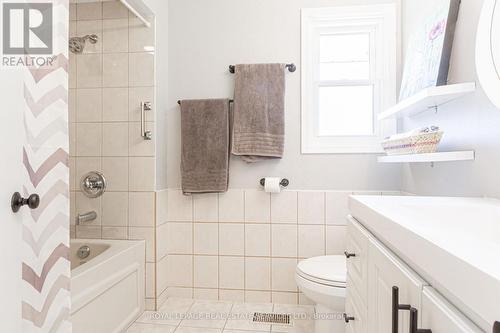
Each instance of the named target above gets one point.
<point>206,208</point>
<point>90,27</point>
<point>88,139</point>
<point>72,139</point>
<point>141,209</point>
<point>231,295</point>
<point>257,206</point>
<point>85,165</point>
<point>281,297</point>
<point>115,139</point>
<point>88,105</point>
<point>180,207</point>
<point>88,232</point>
<point>114,233</point>
<point>231,239</point>
<point>257,296</point>
<point>311,207</point>
<point>142,173</point>
<point>231,206</point>
<point>242,313</point>
<point>138,95</point>
<point>336,237</point>
<point>72,12</point>
<point>161,241</point>
<point>180,270</point>
<point>161,206</point>
<point>137,146</point>
<point>72,105</point>
<point>114,104</point>
<point>197,330</point>
<point>232,272</point>
<point>180,238</point>
<point>257,240</point>
<point>72,71</point>
<point>150,328</point>
<point>207,309</point>
<point>89,11</point>
<point>88,71</point>
<point>141,38</point>
<point>115,70</point>
<point>206,238</point>
<point>284,241</point>
<point>206,272</point>
<point>311,241</point>
<point>257,273</point>
<point>206,294</point>
<point>141,69</point>
<point>115,169</point>
<point>85,205</point>
<point>337,207</point>
<point>284,207</point>
<point>147,234</point>
<point>115,35</point>
<point>283,274</point>
<point>114,10</point>
<point>115,209</point>
<point>150,280</point>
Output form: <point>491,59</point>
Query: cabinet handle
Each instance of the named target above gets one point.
<point>414,322</point>
<point>347,319</point>
<point>496,327</point>
<point>349,255</point>
<point>395,309</point>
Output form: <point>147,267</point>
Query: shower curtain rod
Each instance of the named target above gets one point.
<point>179,102</point>
<point>291,68</point>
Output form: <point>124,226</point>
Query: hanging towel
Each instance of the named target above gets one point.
<point>259,112</point>
<point>205,145</point>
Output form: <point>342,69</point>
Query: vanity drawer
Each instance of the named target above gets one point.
<point>440,316</point>
<point>356,309</point>
<point>357,257</point>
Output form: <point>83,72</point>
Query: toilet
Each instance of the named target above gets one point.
<point>323,281</point>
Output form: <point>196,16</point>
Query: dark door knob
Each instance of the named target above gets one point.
<point>17,201</point>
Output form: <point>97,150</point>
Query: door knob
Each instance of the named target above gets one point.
<point>17,201</point>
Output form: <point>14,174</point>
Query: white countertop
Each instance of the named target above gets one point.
<point>453,243</point>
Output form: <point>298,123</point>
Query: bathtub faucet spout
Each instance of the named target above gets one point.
<point>87,217</point>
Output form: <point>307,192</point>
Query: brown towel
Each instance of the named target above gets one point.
<point>259,112</point>
<point>205,145</point>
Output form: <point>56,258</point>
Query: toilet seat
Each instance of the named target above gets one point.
<point>326,270</point>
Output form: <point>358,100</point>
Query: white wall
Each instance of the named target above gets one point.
<point>204,38</point>
<point>470,123</point>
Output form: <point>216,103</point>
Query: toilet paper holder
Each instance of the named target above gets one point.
<point>284,182</point>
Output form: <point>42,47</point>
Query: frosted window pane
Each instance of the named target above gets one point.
<point>345,56</point>
<point>346,111</point>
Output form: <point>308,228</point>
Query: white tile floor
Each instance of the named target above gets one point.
<point>195,316</point>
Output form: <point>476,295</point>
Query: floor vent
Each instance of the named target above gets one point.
<point>272,318</point>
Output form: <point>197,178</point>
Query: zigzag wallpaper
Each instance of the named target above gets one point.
<point>46,268</point>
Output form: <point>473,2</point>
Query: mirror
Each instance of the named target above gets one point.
<point>488,50</point>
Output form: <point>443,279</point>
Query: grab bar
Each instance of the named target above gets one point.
<point>145,106</point>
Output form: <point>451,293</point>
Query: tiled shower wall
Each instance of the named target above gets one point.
<point>244,245</point>
<point>107,84</point>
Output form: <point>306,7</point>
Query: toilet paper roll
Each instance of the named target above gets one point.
<point>272,185</point>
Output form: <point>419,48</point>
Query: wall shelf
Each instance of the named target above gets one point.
<point>428,99</point>
<point>430,158</point>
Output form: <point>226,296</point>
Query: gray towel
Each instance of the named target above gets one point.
<point>205,145</point>
<point>259,112</point>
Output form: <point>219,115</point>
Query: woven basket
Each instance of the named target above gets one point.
<point>423,143</point>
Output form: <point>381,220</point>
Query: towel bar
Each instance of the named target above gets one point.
<point>291,68</point>
<point>179,102</point>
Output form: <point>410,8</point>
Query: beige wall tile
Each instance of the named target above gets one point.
<point>258,240</point>
<point>114,233</point>
<point>337,207</point>
<point>311,241</point>
<point>141,38</point>
<point>284,207</point>
<point>115,35</point>
<point>89,71</point>
<point>311,207</point>
<point>72,12</point>
<point>206,238</point>
<point>231,206</point>
<point>283,274</point>
<point>88,105</point>
<point>85,165</point>
<point>279,297</point>
<point>115,69</point>
<point>88,232</point>
<point>115,209</point>
<point>72,139</point>
<point>115,169</point>
<point>205,208</point>
<point>284,241</point>
<point>180,270</point>
<point>136,96</point>
<point>150,280</point>
<point>231,239</point>
<point>252,296</point>
<point>141,69</point>
<point>232,272</point>
<point>180,207</point>
<point>72,64</point>
<point>141,173</point>
<point>115,139</point>
<point>180,238</point>
<point>147,234</point>
<point>88,139</point>
<point>161,276</point>
<point>257,206</point>
<point>90,27</point>
<point>114,104</point>
<point>141,209</point>
<point>232,295</point>
<point>71,105</point>
<point>137,146</point>
<point>161,207</point>
<point>336,237</point>
<point>257,273</point>
<point>89,11</point>
<point>114,9</point>
<point>205,294</point>
<point>206,272</point>
<point>85,205</point>
<point>161,241</point>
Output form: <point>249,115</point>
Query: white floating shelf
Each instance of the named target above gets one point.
<point>428,99</point>
<point>429,158</point>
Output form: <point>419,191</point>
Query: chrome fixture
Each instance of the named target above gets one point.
<point>93,184</point>
<point>87,217</point>
<point>291,68</point>
<point>83,252</point>
<point>284,182</point>
<point>17,201</point>
<point>145,106</point>
<point>77,44</point>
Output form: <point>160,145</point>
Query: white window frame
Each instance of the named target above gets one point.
<point>380,21</point>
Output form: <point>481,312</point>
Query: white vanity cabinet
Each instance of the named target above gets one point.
<point>373,272</point>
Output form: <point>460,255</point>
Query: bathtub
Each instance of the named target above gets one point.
<point>107,287</point>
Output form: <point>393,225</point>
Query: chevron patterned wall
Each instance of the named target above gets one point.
<point>46,267</point>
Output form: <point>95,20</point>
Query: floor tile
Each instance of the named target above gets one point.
<point>150,328</point>
<point>198,330</point>
<point>207,314</point>
<point>170,313</point>
<point>242,313</point>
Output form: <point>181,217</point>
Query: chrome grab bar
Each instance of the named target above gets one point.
<point>87,217</point>
<point>145,106</point>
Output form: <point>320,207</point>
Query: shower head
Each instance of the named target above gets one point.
<point>77,44</point>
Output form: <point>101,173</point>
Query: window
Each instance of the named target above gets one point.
<point>349,76</point>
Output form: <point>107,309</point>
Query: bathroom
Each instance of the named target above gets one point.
<point>343,178</point>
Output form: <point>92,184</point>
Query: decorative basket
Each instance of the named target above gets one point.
<point>422,143</point>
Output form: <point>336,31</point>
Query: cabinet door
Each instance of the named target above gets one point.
<point>357,265</point>
<point>354,309</point>
<point>385,271</point>
<point>440,316</point>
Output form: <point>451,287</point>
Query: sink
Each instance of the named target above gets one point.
<point>453,243</point>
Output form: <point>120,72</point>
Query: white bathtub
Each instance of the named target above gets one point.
<point>107,288</point>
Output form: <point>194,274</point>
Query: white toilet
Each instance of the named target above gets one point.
<point>323,280</point>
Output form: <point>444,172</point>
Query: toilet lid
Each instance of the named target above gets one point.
<point>329,270</point>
